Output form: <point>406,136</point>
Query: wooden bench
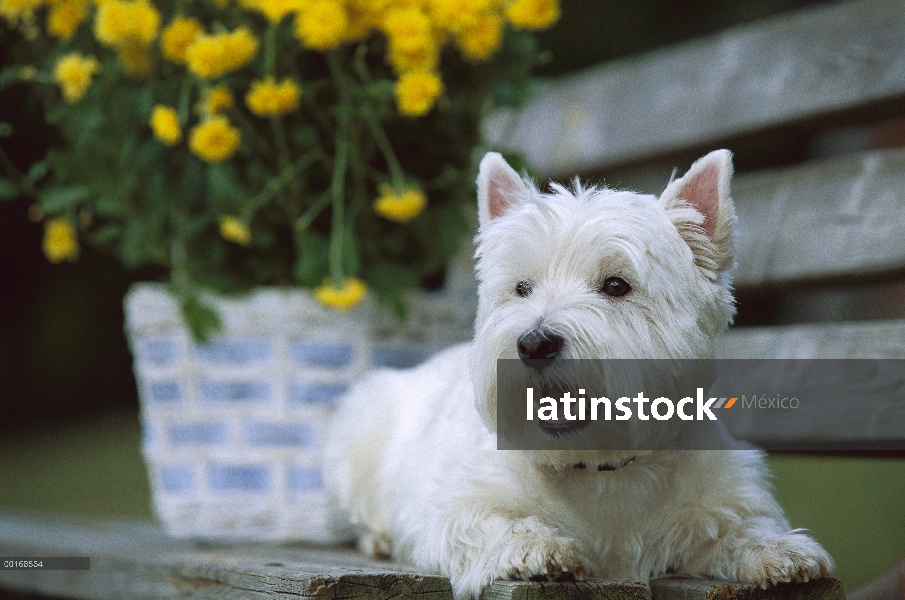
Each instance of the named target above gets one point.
<point>136,560</point>
<point>824,228</point>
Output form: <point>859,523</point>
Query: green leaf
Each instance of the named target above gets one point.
<point>58,199</point>
<point>6,129</point>
<point>8,190</point>
<point>202,320</point>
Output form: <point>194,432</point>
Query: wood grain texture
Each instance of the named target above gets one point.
<point>592,589</point>
<point>133,560</point>
<point>766,74</point>
<point>864,339</point>
<point>821,220</point>
<point>708,589</point>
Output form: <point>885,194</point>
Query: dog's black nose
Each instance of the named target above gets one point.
<point>537,348</point>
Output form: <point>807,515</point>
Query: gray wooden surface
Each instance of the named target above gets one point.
<point>762,75</point>
<point>844,216</point>
<point>133,560</point>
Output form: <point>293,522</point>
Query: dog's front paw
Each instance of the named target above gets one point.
<point>794,557</point>
<point>536,552</point>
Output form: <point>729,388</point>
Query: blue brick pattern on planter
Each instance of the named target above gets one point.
<point>239,478</point>
<point>235,352</point>
<point>278,434</point>
<point>399,357</point>
<point>165,391</point>
<point>185,434</point>
<point>310,392</point>
<point>321,354</point>
<point>159,352</point>
<point>177,480</point>
<point>235,391</point>
<point>305,479</point>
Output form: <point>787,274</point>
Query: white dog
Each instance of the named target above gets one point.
<point>590,273</point>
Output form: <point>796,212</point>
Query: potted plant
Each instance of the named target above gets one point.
<point>297,144</point>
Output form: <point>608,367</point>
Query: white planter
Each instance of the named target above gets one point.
<point>232,429</point>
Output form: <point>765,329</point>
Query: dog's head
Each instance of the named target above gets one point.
<point>600,273</point>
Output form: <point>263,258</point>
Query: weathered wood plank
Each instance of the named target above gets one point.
<point>820,220</point>
<point>132,560</point>
<point>852,415</point>
<point>744,79</point>
<point>137,560</point>
<point>708,589</point>
<point>599,589</point>
<point>856,339</point>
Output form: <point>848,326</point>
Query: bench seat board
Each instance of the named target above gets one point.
<point>762,75</point>
<point>135,560</point>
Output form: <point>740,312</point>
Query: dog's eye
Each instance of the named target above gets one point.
<point>523,289</point>
<point>615,286</point>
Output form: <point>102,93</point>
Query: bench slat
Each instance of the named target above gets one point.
<point>762,75</point>
<point>854,339</point>
<point>820,220</point>
<point>132,560</point>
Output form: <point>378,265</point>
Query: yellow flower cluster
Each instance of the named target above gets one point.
<point>73,73</point>
<point>60,242</point>
<point>211,55</point>
<point>401,208</point>
<point>343,298</point>
<point>274,10</point>
<point>214,140</point>
<point>15,11</point>
<point>268,98</point>
<point>416,92</point>
<point>165,125</point>
<point>177,37</point>
<point>234,230</point>
<point>65,16</point>
<point>218,99</point>
<point>121,23</point>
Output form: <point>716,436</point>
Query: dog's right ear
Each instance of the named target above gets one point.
<point>499,187</point>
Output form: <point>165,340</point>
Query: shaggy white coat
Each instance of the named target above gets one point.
<point>411,455</point>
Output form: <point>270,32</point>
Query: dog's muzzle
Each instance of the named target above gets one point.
<point>538,347</point>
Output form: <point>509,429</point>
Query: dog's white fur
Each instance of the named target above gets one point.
<point>411,455</point>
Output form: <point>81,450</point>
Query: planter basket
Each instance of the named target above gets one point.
<point>232,428</point>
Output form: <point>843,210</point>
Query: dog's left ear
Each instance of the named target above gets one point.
<point>499,187</point>
<point>699,205</point>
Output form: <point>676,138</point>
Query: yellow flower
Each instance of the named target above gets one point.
<point>60,242</point>
<point>417,91</point>
<point>455,15</point>
<point>274,10</point>
<point>165,125</point>
<point>234,230</point>
<point>65,17</point>
<point>344,298</point>
<point>214,140</point>
<point>408,28</point>
<point>121,22</point>
<point>14,10</point>
<point>401,208</point>
<point>480,39</point>
<point>73,73</point>
<point>210,56</point>
<point>135,59</point>
<point>322,24</point>
<point>533,14</point>
<point>217,100</point>
<point>268,98</point>
<point>177,37</point>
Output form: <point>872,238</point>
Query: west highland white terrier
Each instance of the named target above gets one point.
<point>411,455</point>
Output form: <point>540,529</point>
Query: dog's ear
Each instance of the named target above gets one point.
<point>699,205</point>
<point>499,187</point>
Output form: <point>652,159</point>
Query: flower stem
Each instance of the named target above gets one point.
<point>340,162</point>
<point>270,50</point>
